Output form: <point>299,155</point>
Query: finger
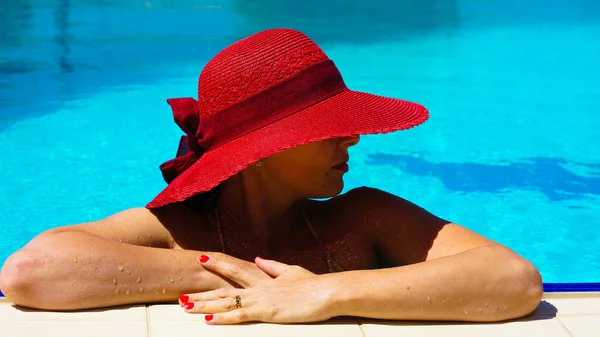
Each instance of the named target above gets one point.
<point>208,295</point>
<point>230,270</point>
<point>232,317</point>
<point>211,307</point>
<point>271,267</point>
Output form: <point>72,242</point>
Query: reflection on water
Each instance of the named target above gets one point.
<point>61,18</point>
<point>15,19</point>
<point>352,21</point>
<point>364,22</point>
<point>545,175</point>
<point>63,49</point>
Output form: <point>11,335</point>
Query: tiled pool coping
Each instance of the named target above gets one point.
<point>559,315</point>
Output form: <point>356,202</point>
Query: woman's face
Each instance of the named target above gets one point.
<point>314,170</point>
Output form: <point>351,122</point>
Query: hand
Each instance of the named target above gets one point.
<point>253,274</point>
<point>293,295</point>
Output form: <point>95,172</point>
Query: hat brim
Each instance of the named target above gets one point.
<point>348,113</point>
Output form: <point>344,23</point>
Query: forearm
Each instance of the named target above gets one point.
<point>488,283</point>
<point>77,270</point>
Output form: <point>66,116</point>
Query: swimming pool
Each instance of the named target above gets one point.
<point>511,149</point>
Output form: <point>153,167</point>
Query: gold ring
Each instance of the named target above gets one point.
<point>237,303</point>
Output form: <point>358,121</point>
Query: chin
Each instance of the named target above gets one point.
<point>331,190</point>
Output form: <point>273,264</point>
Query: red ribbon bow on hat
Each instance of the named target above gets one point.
<point>189,151</point>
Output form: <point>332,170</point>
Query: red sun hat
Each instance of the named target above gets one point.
<point>266,93</point>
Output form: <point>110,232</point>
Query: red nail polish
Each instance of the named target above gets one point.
<point>189,305</point>
<point>260,257</point>
<point>203,258</point>
<point>208,317</point>
<point>184,299</point>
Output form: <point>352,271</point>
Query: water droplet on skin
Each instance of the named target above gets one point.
<point>121,240</point>
<point>179,278</point>
<point>127,292</point>
<point>141,289</point>
<point>74,260</point>
<point>164,290</point>
<point>139,280</point>
<point>114,280</point>
<point>116,291</point>
<point>466,312</point>
<point>172,281</point>
<point>480,310</point>
<point>128,272</point>
<point>121,268</point>
<point>428,298</point>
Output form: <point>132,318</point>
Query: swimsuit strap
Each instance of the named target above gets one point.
<point>332,265</point>
<point>218,217</point>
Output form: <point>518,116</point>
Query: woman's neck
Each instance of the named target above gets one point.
<point>267,214</point>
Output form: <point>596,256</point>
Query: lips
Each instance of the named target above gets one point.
<point>341,167</point>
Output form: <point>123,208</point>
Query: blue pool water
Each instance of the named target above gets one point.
<point>511,149</point>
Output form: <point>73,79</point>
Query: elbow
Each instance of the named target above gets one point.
<point>524,290</point>
<point>17,277</point>
<point>533,287</point>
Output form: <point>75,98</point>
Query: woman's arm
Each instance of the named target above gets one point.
<point>447,272</point>
<point>105,263</point>
<point>488,283</point>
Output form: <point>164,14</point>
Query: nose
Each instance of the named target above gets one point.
<point>347,142</point>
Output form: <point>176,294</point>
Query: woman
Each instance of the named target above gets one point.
<point>268,135</point>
